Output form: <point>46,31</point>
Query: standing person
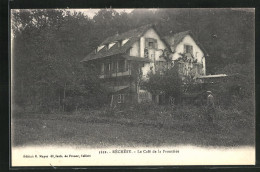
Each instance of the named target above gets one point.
<point>210,106</point>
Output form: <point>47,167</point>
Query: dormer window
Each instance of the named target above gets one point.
<point>99,48</point>
<point>111,45</point>
<point>124,41</point>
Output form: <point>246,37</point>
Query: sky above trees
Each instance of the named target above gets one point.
<point>92,12</point>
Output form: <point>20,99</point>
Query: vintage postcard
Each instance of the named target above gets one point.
<point>132,87</point>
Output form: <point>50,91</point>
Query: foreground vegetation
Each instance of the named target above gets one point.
<point>139,125</point>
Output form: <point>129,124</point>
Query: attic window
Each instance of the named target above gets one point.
<point>151,44</point>
<point>111,45</point>
<point>188,49</point>
<point>99,48</point>
<point>124,41</point>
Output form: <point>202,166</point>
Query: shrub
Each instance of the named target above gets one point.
<point>167,82</point>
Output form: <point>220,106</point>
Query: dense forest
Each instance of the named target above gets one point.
<point>48,45</point>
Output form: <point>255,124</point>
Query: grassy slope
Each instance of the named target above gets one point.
<point>141,125</point>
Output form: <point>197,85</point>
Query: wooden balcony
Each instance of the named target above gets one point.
<point>115,74</point>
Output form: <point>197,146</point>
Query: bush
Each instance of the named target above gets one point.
<point>168,83</point>
<point>84,102</point>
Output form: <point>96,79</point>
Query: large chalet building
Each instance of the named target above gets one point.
<point>123,59</point>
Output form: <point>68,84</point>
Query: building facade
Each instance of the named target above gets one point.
<point>123,60</point>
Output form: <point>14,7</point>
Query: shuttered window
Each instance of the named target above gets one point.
<point>151,43</point>
<point>188,49</point>
<point>121,98</point>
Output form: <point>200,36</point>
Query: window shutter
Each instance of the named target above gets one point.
<point>146,42</point>
<point>123,98</point>
<point>155,44</point>
<point>118,98</point>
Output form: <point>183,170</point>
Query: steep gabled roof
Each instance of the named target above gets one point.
<point>114,50</point>
<point>174,40</point>
<point>138,32</point>
<point>132,36</point>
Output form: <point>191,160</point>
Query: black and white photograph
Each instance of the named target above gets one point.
<point>132,87</point>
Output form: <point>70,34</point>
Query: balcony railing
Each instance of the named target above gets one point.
<point>188,68</point>
<point>111,74</point>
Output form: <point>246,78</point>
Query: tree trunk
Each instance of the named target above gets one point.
<point>112,100</point>
<point>59,101</point>
<point>22,88</point>
<point>22,93</point>
<point>64,96</point>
